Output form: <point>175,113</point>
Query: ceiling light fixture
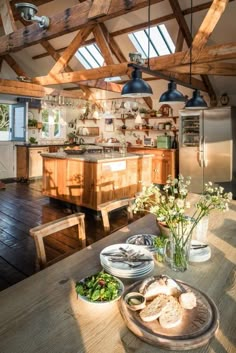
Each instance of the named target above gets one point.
<point>28,13</point>
<point>196,102</point>
<point>172,95</point>
<point>137,87</point>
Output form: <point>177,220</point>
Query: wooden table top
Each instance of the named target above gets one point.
<point>42,314</point>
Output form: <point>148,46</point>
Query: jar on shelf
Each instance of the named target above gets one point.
<point>168,126</point>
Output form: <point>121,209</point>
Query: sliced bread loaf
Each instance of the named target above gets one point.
<point>171,315</point>
<point>154,309</point>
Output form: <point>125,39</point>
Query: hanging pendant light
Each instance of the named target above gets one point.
<point>136,87</point>
<point>172,95</point>
<point>196,102</point>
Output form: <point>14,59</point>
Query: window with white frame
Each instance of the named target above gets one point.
<point>51,123</point>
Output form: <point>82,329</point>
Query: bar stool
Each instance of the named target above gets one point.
<point>107,207</point>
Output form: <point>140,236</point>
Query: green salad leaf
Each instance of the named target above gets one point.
<point>101,287</point>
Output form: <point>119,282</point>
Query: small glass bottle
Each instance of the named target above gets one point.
<point>174,143</point>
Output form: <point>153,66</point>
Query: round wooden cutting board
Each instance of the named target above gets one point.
<point>197,327</point>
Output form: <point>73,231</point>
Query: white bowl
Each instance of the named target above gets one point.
<point>87,300</point>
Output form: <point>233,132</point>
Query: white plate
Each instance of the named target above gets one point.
<point>122,269</point>
<point>199,255</point>
<point>135,238</point>
<point>128,274</point>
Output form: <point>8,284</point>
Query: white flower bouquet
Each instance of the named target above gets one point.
<point>170,205</point>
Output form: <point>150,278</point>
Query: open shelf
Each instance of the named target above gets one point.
<point>146,131</point>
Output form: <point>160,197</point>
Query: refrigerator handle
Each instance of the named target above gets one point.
<point>205,161</point>
<point>200,152</point>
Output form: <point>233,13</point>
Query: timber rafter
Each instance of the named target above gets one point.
<point>205,60</point>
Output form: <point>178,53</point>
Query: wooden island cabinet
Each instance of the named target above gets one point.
<point>89,180</point>
<point>164,162</point>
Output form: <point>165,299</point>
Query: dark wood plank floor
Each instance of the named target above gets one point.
<point>22,206</point>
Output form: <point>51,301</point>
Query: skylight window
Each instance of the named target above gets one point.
<point>159,40</point>
<point>91,58</point>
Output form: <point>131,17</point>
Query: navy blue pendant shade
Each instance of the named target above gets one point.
<point>196,102</point>
<point>136,87</point>
<point>172,94</point>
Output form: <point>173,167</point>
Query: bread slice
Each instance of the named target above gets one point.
<point>188,300</point>
<point>171,315</point>
<point>154,309</point>
<point>154,286</point>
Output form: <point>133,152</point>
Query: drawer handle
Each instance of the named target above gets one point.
<point>163,155</point>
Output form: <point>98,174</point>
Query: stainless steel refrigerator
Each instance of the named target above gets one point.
<point>207,149</point>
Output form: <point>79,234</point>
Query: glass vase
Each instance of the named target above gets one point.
<point>177,251</point>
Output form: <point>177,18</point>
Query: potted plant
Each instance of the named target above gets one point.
<point>71,137</point>
<point>143,112</point>
<point>170,206</point>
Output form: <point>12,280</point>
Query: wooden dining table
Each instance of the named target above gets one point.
<point>42,314</point>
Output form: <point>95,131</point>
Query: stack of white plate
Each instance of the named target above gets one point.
<point>127,269</point>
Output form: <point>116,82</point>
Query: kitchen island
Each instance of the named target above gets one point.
<point>91,179</point>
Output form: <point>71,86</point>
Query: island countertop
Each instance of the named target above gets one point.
<point>96,157</point>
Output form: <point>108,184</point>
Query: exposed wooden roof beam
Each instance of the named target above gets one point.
<point>206,28</point>
<point>139,26</point>
<point>110,86</point>
<point>14,65</point>
<point>7,17</point>
<point>70,20</point>
<point>84,75</point>
<point>71,50</point>
<point>198,43</point>
<point>218,69</point>
<point>99,8</point>
<point>17,88</point>
<point>210,54</point>
<point>103,45</point>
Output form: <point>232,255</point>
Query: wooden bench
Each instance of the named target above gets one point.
<point>39,232</point>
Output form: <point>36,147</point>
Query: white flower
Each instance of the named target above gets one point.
<point>180,203</point>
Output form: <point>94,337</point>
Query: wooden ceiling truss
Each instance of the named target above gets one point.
<point>88,17</point>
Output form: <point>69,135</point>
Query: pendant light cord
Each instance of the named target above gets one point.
<point>149,20</point>
<point>191,47</point>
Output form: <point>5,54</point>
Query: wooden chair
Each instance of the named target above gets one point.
<point>38,233</point>
<point>107,207</point>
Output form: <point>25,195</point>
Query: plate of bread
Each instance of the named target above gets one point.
<point>176,316</point>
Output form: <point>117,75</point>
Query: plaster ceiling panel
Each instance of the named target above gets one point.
<point>6,72</point>
<point>63,41</point>
<point>34,50</point>
<point>139,16</point>
<point>223,84</point>
<point>33,67</point>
